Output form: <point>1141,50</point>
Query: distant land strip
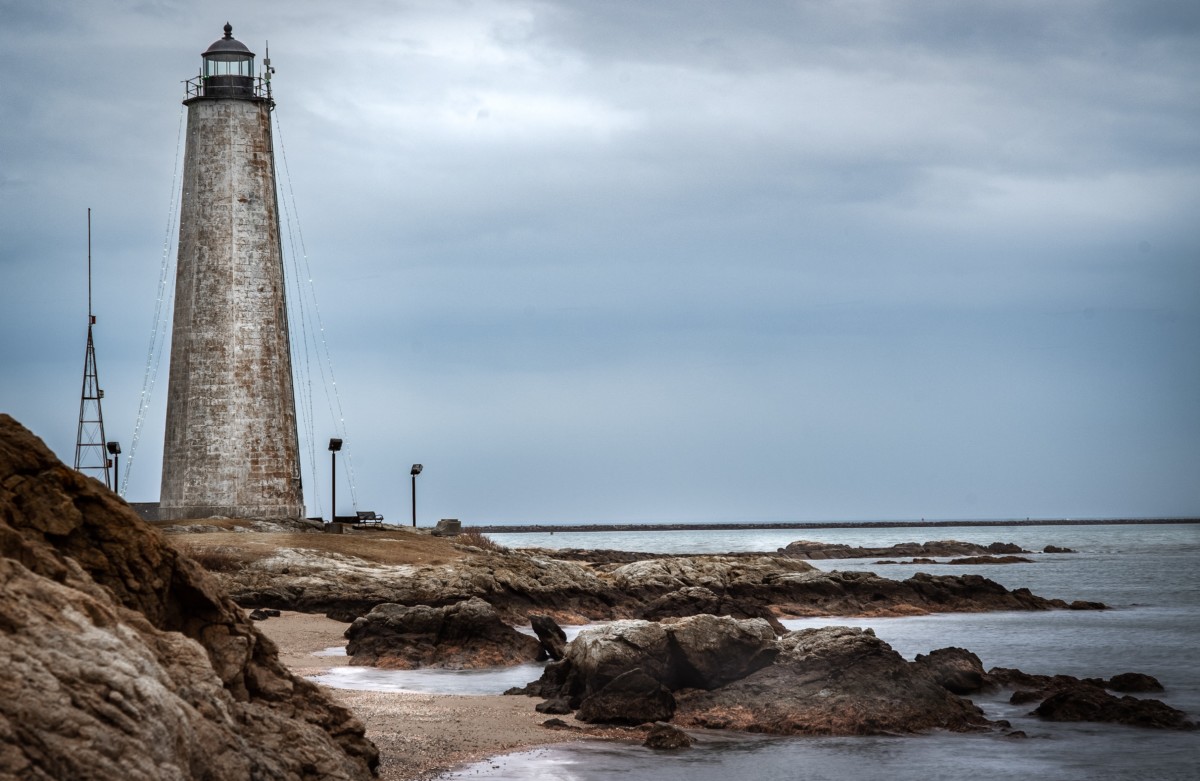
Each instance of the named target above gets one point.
<point>691,527</point>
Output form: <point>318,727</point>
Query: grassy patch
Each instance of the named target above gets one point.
<point>219,558</point>
<point>477,540</point>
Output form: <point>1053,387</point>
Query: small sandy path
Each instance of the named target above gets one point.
<point>421,735</point>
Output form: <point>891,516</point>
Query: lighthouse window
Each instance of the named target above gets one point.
<point>241,67</point>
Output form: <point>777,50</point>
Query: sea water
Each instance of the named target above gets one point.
<point>1148,574</point>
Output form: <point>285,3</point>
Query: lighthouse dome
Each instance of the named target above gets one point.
<point>228,45</point>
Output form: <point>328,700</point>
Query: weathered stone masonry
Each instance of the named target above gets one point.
<point>231,444</point>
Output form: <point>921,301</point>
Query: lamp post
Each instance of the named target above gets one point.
<point>416,470</point>
<point>114,450</point>
<point>334,446</point>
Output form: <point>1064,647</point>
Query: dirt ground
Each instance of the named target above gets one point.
<point>387,546</point>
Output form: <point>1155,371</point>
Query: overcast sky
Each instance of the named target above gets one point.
<point>676,260</point>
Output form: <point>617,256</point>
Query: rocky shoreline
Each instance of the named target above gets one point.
<point>518,582</point>
<point>125,657</point>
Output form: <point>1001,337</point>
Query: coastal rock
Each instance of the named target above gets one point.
<point>666,737</point>
<point>466,635</point>
<point>1035,688</point>
<point>697,600</point>
<point>123,659</point>
<point>517,584</point>
<point>697,652</point>
<point>1091,703</point>
<point>991,560</point>
<point>736,577</point>
<point>807,549</point>
<point>558,706</point>
<point>831,681</point>
<point>1134,682</point>
<point>344,588</point>
<point>632,698</point>
<point>550,635</point>
<point>597,656</point>
<point>708,652</point>
<point>1056,549</point>
<point>956,669</point>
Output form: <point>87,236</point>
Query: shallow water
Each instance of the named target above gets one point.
<point>1149,574</point>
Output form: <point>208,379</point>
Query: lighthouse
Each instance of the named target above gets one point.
<point>231,447</point>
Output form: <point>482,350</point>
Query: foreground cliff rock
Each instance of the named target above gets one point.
<point>122,659</point>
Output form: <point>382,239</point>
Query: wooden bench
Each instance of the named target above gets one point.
<point>369,516</point>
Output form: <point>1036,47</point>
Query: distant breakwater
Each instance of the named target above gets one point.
<point>691,527</point>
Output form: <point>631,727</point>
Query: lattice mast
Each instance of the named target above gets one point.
<point>90,454</point>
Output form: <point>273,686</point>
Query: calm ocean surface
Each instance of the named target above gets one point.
<point>1150,574</point>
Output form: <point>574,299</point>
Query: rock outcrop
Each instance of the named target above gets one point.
<point>972,560</point>
<point>1037,688</point>
<point>724,673</point>
<point>123,659</point>
<point>518,584</point>
<point>463,636</point>
<point>806,549</point>
<point>1084,702</point>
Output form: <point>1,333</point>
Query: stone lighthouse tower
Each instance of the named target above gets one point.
<point>231,445</point>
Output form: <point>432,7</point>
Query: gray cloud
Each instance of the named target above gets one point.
<point>694,260</point>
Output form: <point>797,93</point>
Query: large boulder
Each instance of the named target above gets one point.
<point>1134,682</point>
<point>696,652</point>
<point>597,656</point>
<point>120,658</point>
<point>463,636</point>
<point>831,681</point>
<point>957,669</point>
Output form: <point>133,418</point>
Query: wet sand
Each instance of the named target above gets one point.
<point>421,735</point>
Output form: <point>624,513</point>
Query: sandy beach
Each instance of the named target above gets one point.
<point>421,735</point>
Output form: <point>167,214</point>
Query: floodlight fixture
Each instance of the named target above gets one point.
<point>335,445</point>
<point>114,450</point>
<point>416,470</point>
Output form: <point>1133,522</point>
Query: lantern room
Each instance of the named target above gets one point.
<point>228,68</point>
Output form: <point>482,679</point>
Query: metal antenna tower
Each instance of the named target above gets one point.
<point>90,453</point>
